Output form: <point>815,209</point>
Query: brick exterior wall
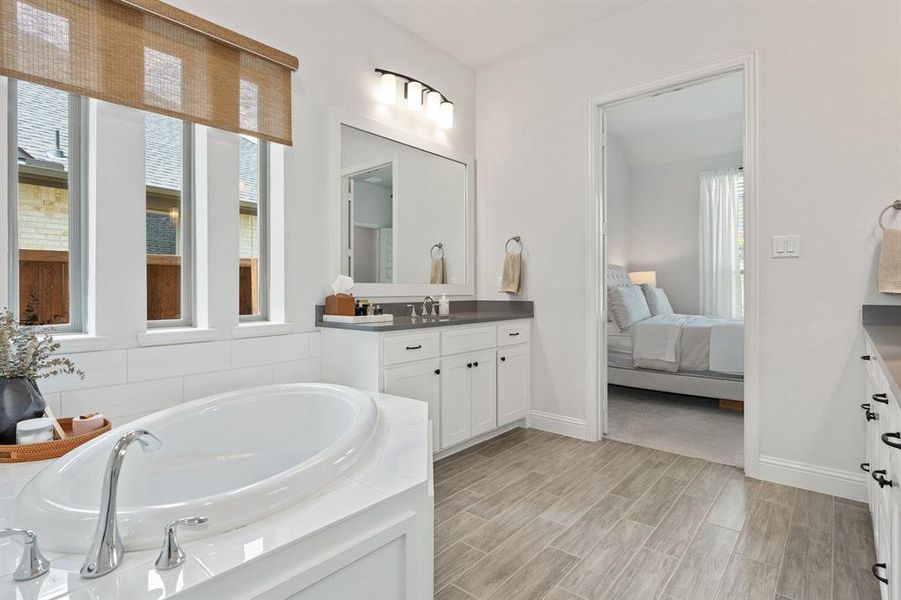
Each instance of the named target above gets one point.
<point>161,233</point>
<point>43,217</point>
<point>250,236</point>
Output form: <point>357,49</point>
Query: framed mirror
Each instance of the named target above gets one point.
<point>402,218</point>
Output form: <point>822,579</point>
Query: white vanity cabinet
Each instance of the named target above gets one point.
<point>475,378</point>
<point>883,467</point>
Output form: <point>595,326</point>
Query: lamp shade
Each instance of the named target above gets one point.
<point>639,277</point>
<point>446,116</point>
<point>414,95</point>
<point>387,88</point>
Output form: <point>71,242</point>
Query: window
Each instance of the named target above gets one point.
<point>168,224</point>
<point>722,249</point>
<point>740,238</point>
<point>254,230</point>
<point>46,206</point>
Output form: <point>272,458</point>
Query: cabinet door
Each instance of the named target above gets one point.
<point>419,381</point>
<point>513,383</point>
<point>484,391</point>
<point>456,394</point>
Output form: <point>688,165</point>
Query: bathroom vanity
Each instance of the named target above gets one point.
<point>472,368</point>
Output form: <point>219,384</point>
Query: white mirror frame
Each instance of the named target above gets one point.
<point>339,117</point>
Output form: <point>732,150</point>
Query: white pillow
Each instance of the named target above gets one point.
<point>627,305</point>
<point>657,300</point>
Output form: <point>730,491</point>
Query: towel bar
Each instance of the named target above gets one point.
<point>518,240</point>
<point>896,205</point>
<point>440,247</point>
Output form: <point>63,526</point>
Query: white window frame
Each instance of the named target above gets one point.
<point>263,210</point>
<point>77,194</point>
<point>188,241</point>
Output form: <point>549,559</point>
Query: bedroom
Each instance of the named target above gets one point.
<point>675,268</point>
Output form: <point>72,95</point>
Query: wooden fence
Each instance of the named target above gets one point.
<point>44,286</point>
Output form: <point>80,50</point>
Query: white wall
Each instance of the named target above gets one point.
<point>619,219</point>
<point>339,45</point>
<point>372,204</point>
<point>664,225</point>
<point>829,158</point>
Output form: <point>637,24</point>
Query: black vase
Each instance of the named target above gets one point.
<point>20,399</point>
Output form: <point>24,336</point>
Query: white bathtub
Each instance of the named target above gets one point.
<point>233,458</point>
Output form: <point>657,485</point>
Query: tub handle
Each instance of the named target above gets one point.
<point>32,564</point>
<point>171,554</point>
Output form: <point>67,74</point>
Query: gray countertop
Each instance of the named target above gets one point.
<point>882,325</point>
<point>461,313</point>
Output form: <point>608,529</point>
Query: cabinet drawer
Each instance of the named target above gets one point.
<point>467,339</point>
<point>514,333</point>
<point>410,347</point>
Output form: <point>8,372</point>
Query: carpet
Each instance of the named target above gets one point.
<point>686,425</point>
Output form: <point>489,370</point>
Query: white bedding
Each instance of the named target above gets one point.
<point>676,343</point>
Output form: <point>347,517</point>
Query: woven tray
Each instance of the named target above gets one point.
<point>13,453</point>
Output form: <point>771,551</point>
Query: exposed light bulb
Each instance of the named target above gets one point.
<point>388,88</point>
<point>414,95</point>
<point>433,105</point>
<point>446,118</point>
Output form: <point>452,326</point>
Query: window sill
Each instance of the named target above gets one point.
<point>253,329</point>
<point>70,343</point>
<point>175,335</point>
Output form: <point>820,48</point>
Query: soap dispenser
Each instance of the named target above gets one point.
<point>444,306</point>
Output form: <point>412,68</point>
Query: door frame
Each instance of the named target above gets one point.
<point>596,251</point>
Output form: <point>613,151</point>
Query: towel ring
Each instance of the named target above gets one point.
<point>896,205</point>
<point>518,240</point>
<point>440,247</point>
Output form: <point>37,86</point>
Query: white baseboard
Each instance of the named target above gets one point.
<point>577,428</point>
<point>478,439</point>
<point>845,484</point>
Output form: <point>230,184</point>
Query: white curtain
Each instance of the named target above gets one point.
<point>721,277</point>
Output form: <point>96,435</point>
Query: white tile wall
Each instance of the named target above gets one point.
<point>128,384</point>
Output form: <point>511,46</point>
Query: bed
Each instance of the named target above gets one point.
<point>682,354</point>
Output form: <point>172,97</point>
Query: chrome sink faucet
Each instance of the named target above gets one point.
<point>107,549</point>
<point>431,310</point>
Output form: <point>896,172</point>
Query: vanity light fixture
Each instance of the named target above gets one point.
<point>416,94</point>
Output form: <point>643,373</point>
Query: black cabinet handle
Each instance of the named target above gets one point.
<point>892,436</point>
<point>866,357</point>
<point>871,416</point>
<point>865,467</point>
<point>513,334</point>
<point>475,364</point>
<point>880,479</point>
<point>414,347</point>
<point>881,398</point>
<point>865,406</point>
<point>503,358</point>
<point>468,365</point>
<point>876,568</point>
<point>437,371</point>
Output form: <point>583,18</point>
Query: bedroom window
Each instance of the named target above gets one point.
<point>722,272</point>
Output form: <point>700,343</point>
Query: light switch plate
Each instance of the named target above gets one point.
<point>786,246</point>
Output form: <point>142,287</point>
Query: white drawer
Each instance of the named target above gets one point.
<point>455,340</point>
<point>410,347</point>
<point>517,332</point>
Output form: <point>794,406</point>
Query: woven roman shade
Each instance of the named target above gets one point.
<point>150,55</point>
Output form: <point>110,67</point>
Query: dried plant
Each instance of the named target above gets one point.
<point>28,351</point>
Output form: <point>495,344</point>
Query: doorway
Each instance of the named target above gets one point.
<point>653,383</point>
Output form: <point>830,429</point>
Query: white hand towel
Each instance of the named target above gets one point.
<point>890,262</point>
<point>511,282</point>
<point>439,272</point>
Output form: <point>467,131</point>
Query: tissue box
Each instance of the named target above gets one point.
<point>339,304</point>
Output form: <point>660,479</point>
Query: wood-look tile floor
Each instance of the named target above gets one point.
<point>536,516</point>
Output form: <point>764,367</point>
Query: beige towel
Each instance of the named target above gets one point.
<point>439,274</point>
<point>511,282</point>
<point>890,262</point>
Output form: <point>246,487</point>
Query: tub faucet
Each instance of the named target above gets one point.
<point>107,549</point>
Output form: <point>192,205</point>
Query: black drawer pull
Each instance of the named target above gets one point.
<point>892,436</point>
<point>414,347</point>
<point>880,479</point>
<point>503,358</point>
<point>865,406</point>
<point>437,371</point>
<point>871,416</point>
<point>876,568</point>
<point>881,398</point>
<point>475,364</point>
<point>513,334</point>
<point>866,357</point>
<point>865,467</point>
<point>468,365</point>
